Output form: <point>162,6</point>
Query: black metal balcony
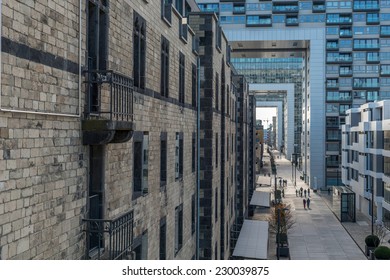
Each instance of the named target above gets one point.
<point>109,239</point>
<point>109,110</point>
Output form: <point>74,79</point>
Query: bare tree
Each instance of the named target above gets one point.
<point>286,220</point>
<point>380,231</point>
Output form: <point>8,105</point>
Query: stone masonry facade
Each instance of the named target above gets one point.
<point>58,179</point>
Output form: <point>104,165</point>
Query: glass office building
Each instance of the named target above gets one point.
<point>350,43</point>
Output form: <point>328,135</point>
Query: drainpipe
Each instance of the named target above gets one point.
<point>198,157</point>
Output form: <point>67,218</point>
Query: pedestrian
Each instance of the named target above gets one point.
<point>280,182</point>
<point>328,191</point>
<point>283,192</point>
<point>308,192</point>
<point>304,203</point>
<point>305,192</point>
<point>296,192</point>
<point>308,203</point>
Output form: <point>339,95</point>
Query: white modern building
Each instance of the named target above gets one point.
<point>366,157</point>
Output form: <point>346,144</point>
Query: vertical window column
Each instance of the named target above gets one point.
<point>179,156</point>
<point>164,85</point>
<point>178,228</point>
<point>139,48</point>
<point>181,78</point>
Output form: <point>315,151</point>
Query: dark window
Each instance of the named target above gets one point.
<point>218,37</point>
<point>97,35</point>
<point>96,191</point>
<point>164,87</point>
<point>97,44</point>
<point>193,152</point>
<point>178,228</point>
<point>194,86</point>
<point>193,214</point>
<point>216,205</point>
<point>163,238</point>
<point>181,78</point>
<point>216,149</point>
<point>179,6</point>
<point>163,159</point>
<point>216,91</point>
<point>227,146</point>
<point>139,48</point>
<point>141,160</point>
<point>166,10</point>
<point>179,156</point>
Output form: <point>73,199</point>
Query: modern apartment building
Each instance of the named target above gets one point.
<point>366,158</point>
<point>123,136</point>
<point>337,54</point>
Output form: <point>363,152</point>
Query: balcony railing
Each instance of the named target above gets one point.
<point>115,104</point>
<point>114,237</point>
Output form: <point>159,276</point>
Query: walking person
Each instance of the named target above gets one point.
<point>308,203</point>
<point>305,192</point>
<point>308,192</point>
<point>304,203</point>
<point>283,192</point>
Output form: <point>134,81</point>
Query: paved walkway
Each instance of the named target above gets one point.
<point>317,233</point>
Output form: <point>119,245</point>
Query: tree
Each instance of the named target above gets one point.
<point>286,220</point>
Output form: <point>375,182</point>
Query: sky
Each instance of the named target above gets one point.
<point>265,113</point>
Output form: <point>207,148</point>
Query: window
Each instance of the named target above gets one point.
<point>216,149</point>
<point>141,160</point>
<point>139,48</point>
<point>194,86</point>
<point>163,159</point>
<point>385,69</point>
<point>345,32</point>
<point>359,44</point>
<point>258,20</point>
<point>179,156</point>
<point>97,35</point>
<point>332,44</point>
<point>163,239</point>
<point>216,205</point>
<point>193,152</point>
<point>386,166</point>
<point>179,6</point>
<point>343,108</point>
<point>385,30</point>
<point>238,8</point>
<point>386,140</point>
<point>164,85</point>
<point>372,18</point>
<point>193,214</point>
<point>365,5</point>
<point>181,78</point>
<point>166,11</point>
<point>218,38</point>
<point>372,57</point>
<point>338,18</point>
<point>178,228</point>
<point>365,82</point>
<point>216,91</point>
<point>97,44</point>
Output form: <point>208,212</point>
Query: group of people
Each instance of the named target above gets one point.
<point>306,202</point>
<point>302,192</point>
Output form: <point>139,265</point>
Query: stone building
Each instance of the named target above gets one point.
<point>98,123</point>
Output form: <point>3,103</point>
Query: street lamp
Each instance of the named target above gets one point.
<point>278,235</point>
<point>276,186</point>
